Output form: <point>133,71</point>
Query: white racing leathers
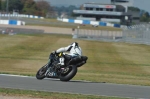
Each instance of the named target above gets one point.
<point>73,49</point>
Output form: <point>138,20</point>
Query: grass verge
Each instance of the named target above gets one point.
<point>48,95</point>
<point>107,62</point>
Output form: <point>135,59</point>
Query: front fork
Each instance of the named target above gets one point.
<point>49,72</point>
<point>48,67</point>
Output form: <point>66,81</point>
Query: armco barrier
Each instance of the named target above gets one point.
<point>116,25</point>
<point>102,24</point>
<point>12,22</point>
<point>71,21</point>
<point>86,22</point>
<point>21,15</point>
<point>96,23</point>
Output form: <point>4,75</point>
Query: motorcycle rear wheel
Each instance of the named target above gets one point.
<point>41,72</point>
<point>69,74</point>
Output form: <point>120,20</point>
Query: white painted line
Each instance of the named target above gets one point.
<point>16,75</point>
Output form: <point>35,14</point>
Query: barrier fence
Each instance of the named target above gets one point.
<point>21,15</point>
<point>139,34</point>
<point>94,23</point>
<point>97,34</point>
<point>12,22</point>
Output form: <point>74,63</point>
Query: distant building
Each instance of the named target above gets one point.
<point>116,12</point>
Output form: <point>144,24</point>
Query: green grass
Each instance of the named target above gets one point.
<point>120,63</point>
<point>49,95</point>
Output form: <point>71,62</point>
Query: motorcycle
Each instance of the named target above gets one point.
<point>66,72</point>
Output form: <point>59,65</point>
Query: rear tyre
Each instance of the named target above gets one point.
<point>41,73</point>
<point>69,73</point>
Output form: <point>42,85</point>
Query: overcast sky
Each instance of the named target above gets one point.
<point>142,4</point>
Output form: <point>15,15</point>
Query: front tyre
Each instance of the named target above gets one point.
<point>41,73</point>
<point>69,73</point>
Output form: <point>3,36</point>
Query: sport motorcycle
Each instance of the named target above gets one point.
<point>55,70</point>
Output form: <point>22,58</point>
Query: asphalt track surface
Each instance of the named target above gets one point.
<point>74,87</point>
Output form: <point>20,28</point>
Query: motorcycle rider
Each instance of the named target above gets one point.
<point>74,54</point>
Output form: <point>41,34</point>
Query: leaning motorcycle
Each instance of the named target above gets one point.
<point>66,72</point>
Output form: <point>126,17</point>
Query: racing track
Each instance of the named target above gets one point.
<point>74,87</point>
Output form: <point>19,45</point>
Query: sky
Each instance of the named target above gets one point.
<point>142,4</point>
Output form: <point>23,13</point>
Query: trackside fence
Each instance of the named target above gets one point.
<point>138,34</point>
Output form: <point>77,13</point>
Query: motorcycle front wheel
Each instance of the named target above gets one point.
<point>41,72</point>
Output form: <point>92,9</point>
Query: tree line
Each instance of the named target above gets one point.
<point>144,15</point>
<point>31,7</point>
